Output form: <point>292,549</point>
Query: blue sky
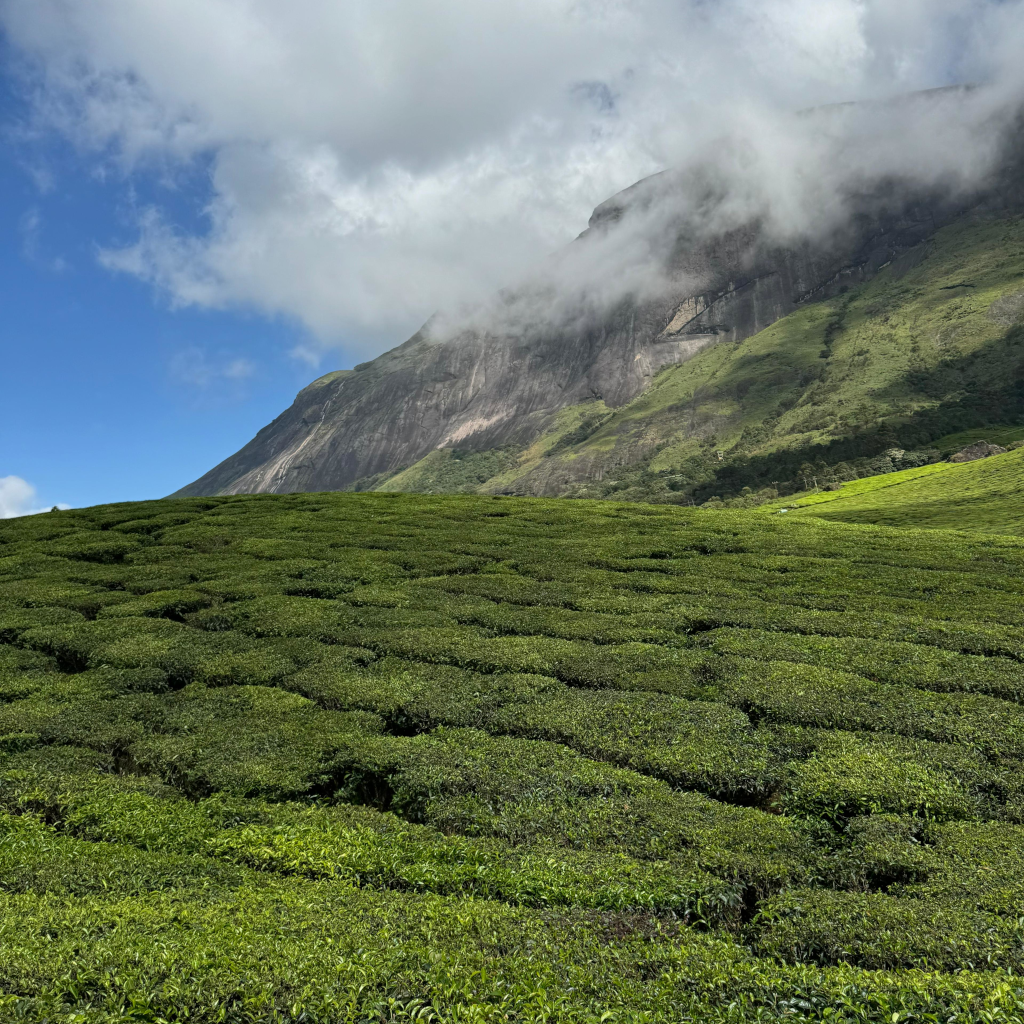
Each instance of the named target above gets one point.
<point>204,204</point>
<point>108,392</point>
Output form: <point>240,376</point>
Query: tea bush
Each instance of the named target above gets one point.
<point>375,757</point>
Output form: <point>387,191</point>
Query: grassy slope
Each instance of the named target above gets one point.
<point>1004,436</point>
<point>866,485</point>
<point>987,495</point>
<point>925,349</point>
<point>384,757</point>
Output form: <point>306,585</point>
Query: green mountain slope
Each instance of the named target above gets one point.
<point>373,757</point>
<point>931,346</point>
<point>987,495</point>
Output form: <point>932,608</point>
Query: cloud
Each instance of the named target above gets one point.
<point>371,163</point>
<point>197,369</point>
<point>30,226</point>
<point>18,497</point>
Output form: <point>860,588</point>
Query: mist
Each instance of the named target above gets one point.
<point>789,179</point>
<point>368,164</point>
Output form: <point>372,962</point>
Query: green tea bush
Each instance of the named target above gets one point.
<point>420,859</point>
<point>34,859</point>
<point>528,792</point>
<point>881,932</point>
<point>808,695</point>
<point>247,740</point>
<point>162,604</point>
<point>884,662</point>
<point>851,775</point>
<point>690,744</point>
<point>184,654</point>
<point>382,757</point>
<point>978,863</point>
<point>348,842</point>
<point>314,951</point>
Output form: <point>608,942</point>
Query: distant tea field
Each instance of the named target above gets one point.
<point>986,495</point>
<point>387,757</point>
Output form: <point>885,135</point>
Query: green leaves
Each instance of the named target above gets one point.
<point>371,757</point>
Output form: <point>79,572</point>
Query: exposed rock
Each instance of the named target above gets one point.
<point>504,385</point>
<point>978,450</point>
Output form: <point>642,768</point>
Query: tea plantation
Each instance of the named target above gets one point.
<point>371,757</point>
<point>986,495</point>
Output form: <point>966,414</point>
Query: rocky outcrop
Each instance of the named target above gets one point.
<point>978,450</point>
<point>480,388</point>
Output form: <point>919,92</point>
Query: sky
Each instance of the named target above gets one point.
<point>205,204</point>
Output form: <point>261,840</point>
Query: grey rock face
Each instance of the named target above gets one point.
<point>483,388</point>
<point>978,450</point>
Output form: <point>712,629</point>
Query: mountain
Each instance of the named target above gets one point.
<point>932,345</point>
<point>754,358</point>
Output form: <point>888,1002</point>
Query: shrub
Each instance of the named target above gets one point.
<point>375,757</point>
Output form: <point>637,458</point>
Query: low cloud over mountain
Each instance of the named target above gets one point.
<point>361,166</point>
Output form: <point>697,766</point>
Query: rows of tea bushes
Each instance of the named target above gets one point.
<point>385,757</point>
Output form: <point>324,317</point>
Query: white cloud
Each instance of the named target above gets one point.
<point>375,160</point>
<point>30,227</point>
<point>197,369</point>
<point>238,369</point>
<point>18,497</point>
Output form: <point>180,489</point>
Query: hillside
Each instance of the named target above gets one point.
<point>751,345</point>
<point>370,757</point>
<point>987,495</point>
<point>933,344</point>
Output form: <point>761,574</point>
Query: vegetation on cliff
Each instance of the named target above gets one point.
<point>930,347</point>
<point>985,495</point>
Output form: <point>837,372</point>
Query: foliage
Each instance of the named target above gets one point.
<point>891,375</point>
<point>981,495</point>
<point>377,757</point>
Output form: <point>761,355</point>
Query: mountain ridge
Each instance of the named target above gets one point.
<point>900,363</point>
<point>486,389</point>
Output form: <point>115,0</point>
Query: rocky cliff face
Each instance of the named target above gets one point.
<point>481,388</point>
